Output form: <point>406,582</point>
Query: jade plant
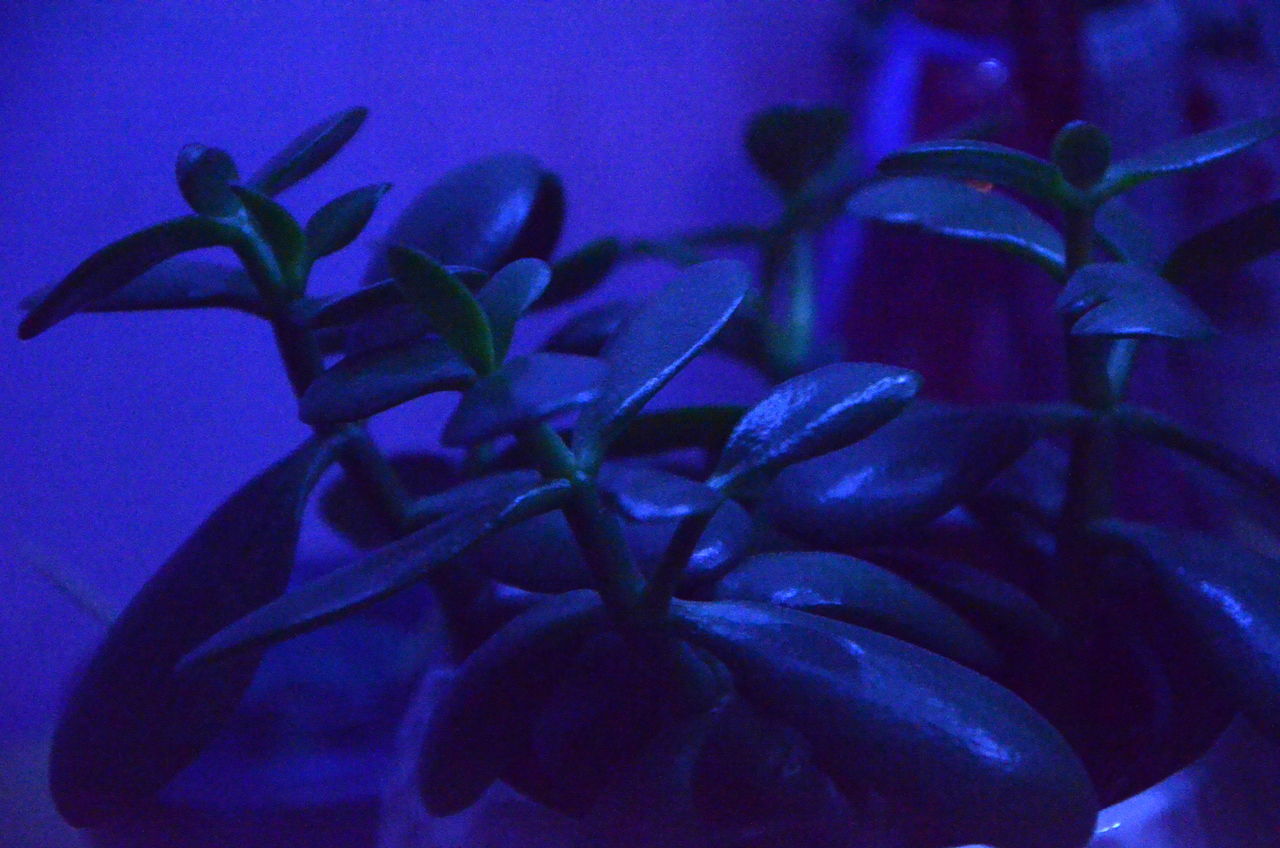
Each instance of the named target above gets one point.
<point>843,615</point>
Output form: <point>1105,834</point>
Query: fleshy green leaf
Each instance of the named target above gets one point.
<point>579,272</point>
<point>854,590</point>
<point>470,494</point>
<point>308,152</point>
<point>336,224</point>
<point>979,161</point>
<point>674,429</point>
<point>205,175</point>
<point>525,391</point>
<point>369,301</point>
<point>509,295</point>
<point>658,340</point>
<point>959,211</point>
<point>177,284</point>
<point>790,144</point>
<point>812,414</point>
<point>280,230</point>
<point>642,493</point>
<point>1226,246</point>
<point>971,760</point>
<point>449,304</point>
<point>1186,154</point>
<point>1124,235</point>
<point>119,264</point>
<point>131,723</point>
<point>368,383</point>
<point>1122,300</point>
<point>588,332</point>
<point>378,575</point>
<point>1082,151</point>
<point>905,474</point>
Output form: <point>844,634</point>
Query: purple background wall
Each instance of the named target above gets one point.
<point>120,433</point>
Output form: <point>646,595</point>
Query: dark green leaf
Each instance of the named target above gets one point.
<point>131,723</point>
<point>955,210</point>
<point>1082,152</point>
<point>790,144</point>
<point>854,590</point>
<point>812,414</point>
<point>1122,300</point>
<point>482,722</point>
<point>118,264</point>
<point>308,152</point>
<point>1226,246</point>
<point>369,301</point>
<point>1124,235</point>
<point>449,304</point>
<point>525,391</point>
<point>979,161</point>
<point>372,382</point>
<point>674,429</point>
<point>378,575</point>
<point>470,494</point>
<point>177,284</point>
<point>205,175</point>
<point>509,295</point>
<point>971,760</point>
<point>346,507</point>
<point>658,340</point>
<point>588,332</point>
<point>907,473</point>
<point>336,224</point>
<point>581,271</point>
<point>1186,154</point>
<point>723,544</point>
<point>280,231</point>
<point>642,493</point>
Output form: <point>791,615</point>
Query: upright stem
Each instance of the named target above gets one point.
<point>675,560</point>
<point>790,275</point>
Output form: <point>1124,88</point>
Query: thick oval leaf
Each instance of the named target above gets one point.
<point>1224,247</point>
<point>509,295</point>
<point>1186,154</point>
<point>483,720</point>
<point>378,575</point>
<point>448,303</point>
<point>118,264</point>
<point>131,723</point>
<point>1082,151</point>
<point>527,390</point>
<point>588,332</point>
<point>854,590</point>
<point>642,493</point>
<point>658,340</point>
<point>727,539</point>
<point>336,224</point>
<point>485,214</point>
<point>676,429</point>
<point>790,144</point>
<point>1120,300</point>
<point>368,383</point>
<point>369,303</point>
<point>308,152</point>
<point>980,161</point>
<point>907,473</point>
<point>579,272</point>
<point>959,211</point>
<point>972,760</point>
<point>812,414</point>
<point>177,284</point>
<point>279,229</point>
<point>205,175</point>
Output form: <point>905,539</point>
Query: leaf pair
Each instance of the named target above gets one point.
<point>1120,300</point>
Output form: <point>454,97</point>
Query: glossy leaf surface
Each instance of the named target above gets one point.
<point>115,266</point>
<point>525,391</point>
<point>790,144</point>
<point>644,493</point>
<point>177,284</point>
<point>340,221</point>
<point>980,161</point>
<point>956,210</point>
<point>308,152</point>
<point>577,273</point>
<point>131,723</point>
<point>812,414</point>
<point>587,332</point>
<point>451,307</point>
<point>658,340</point>
<point>1222,248</point>
<point>205,175</point>
<point>508,296</point>
<point>972,760</point>
<point>368,383</point>
<point>1122,300</point>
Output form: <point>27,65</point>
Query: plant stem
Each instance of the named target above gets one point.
<point>662,587</point>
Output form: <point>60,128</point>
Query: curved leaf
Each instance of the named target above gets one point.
<point>131,723</point>
<point>1120,300</point>
<point>368,303</point>
<point>525,391</point>
<point>336,224</point>
<point>115,266</point>
<point>972,760</point>
<point>956,210</point>
<point>308,152</point>
<point>642,493</point>
<point>577,273</point>
<point>1222,248</point>
<point>674,429</point>
<point>980,161</point>
<point>177,284</point>
<point>279,229</point>
<point>205,175</point>
<point>469,494</point>
<point>509,295</point>
<point>452,309</point>
<point>589,331</point>
<point>728,537</point>
<point>368,383</point>
<point>790,144</point>
<point>654,344</point>
<point>812,414</point>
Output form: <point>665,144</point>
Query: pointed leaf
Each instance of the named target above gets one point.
<point>812,414</point>
<point>368,383</point>
<point>971,760</point>
<point>507,296</point>
<point>131,723</point>
<point>854,590</point>
<point>378,575</point>
<point>336,224</point>
<point>588,332</point>
<point>527,390</point>
<point>790,144</point>
<point>308,152</point>
<point>277,227</point>
<point>980,161</point>
<point>657,342</point>
<point>579,272</point>
<point>1124,301</point>
<point>1226,246</point>
<point>205,175</point>
<point>118,264</point>
<point>450,305</point>
<point>177,284</point>
<point>956,210</point>
<point>642,493</point>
